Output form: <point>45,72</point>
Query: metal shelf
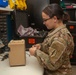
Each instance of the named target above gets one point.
<point>6,8</point>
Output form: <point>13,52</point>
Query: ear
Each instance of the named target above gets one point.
<point>55,19</point>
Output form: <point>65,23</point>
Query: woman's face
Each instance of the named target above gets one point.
<point>48,22</point>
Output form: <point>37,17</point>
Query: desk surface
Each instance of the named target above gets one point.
<point>32,67</point>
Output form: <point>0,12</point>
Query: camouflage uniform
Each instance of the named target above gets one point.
<point>55,52</point>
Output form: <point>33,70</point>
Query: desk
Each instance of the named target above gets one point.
<point>32,67</point>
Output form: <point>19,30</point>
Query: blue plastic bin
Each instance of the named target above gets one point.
<point>3,3</point>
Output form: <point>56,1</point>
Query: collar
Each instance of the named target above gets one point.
<point>52,32</point>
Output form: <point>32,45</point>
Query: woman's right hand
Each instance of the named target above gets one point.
<point>38,46</point>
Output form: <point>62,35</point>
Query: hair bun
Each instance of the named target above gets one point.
<point>66,17</point>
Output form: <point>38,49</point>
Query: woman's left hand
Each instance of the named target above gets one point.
<point>32,50</point>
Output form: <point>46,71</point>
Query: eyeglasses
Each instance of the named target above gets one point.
<point>44,20</point>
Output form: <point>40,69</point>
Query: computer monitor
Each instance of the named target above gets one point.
<point>34,8</point>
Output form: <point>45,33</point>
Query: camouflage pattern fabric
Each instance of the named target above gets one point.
<point>55,52</point>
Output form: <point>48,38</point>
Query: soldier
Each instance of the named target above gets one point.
<point>55,51</point>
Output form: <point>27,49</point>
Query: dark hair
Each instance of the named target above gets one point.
<point>66,17</point>
<point>55,10</point>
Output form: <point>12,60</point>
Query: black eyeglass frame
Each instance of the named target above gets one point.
<point>46,19</point>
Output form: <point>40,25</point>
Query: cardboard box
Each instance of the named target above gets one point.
<point>17,52</point>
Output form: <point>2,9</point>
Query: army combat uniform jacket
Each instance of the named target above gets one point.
<point>55,52</point>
